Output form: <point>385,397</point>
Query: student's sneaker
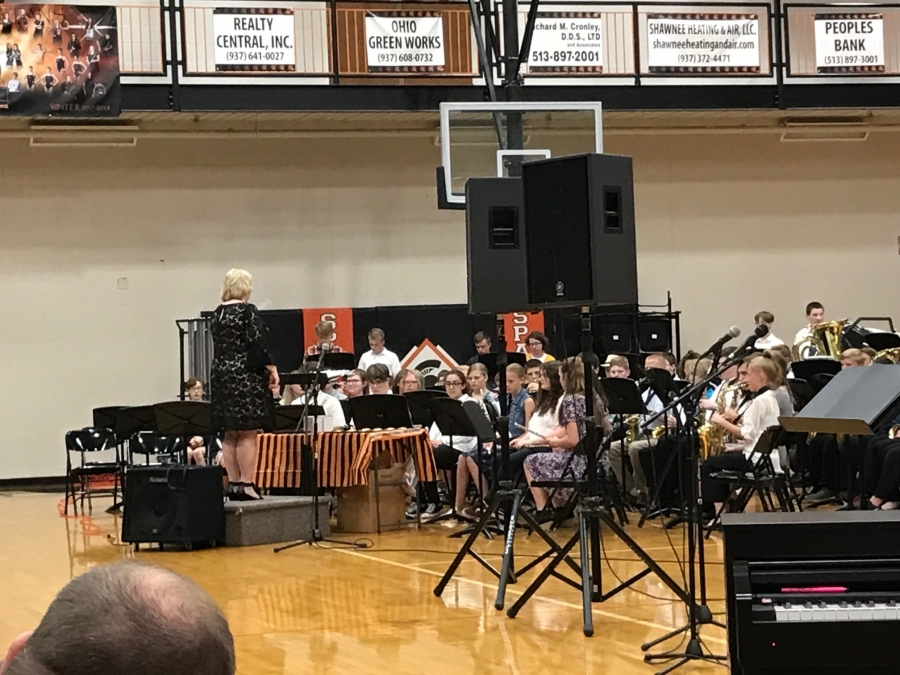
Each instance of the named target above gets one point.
<point>413,511</point>
<point>433,511</point>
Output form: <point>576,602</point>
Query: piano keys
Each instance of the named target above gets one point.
<point>813,593</point>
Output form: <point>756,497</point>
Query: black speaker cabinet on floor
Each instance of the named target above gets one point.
<point>579,230</point>
<point>174,505</point>
<point>495,247</point>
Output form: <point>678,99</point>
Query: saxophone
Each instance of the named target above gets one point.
<point>712,436</point>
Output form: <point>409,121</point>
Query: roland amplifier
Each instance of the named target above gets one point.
<point>174,505</point>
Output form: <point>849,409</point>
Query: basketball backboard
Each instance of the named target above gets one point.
<point>470,146</point>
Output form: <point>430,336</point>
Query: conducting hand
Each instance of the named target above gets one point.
<point>274,382</point>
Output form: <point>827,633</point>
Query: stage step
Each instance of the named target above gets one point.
<point>273,520</point>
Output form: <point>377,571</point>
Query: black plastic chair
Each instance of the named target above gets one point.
<point>163,449</point>
<point>83,442</point>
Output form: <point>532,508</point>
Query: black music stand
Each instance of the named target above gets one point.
<point>130,420</point>
<point>290,418</point>
<point>420,410</point>
<point>183,418</point>
<point>810,368</point>
<point>623,398</point>
<point>489,361</point>
<point>881,341</point>
<point>348,412</point>
<point>380,411</point>
<point>312,384</point>
<point>335,360</point>
<point>105,418</point>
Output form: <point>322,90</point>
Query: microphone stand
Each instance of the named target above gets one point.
<point>698,613</point>
<point>309,449</point>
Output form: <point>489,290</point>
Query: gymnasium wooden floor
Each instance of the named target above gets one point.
<point>312,610</point>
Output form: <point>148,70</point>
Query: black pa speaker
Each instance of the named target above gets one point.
<point>495,247</point>
<point>579,231</point>
<point>174,505</point>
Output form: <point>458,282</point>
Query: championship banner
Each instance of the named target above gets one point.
<point>60,60</point>
<point>849,43</point>
<point>567,42</point>
<point>254,40</point>
<point>703,43</point>
<point>518,325</point>
<point>341,317</point>
<point>411,42</point>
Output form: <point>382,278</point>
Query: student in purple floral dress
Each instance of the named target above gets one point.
<point>549,466</point>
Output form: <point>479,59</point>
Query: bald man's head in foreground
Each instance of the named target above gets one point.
<point>128,618</point>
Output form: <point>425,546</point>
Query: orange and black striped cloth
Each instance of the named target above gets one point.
<point>344,456</point>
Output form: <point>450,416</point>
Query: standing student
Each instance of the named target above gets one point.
<point>243,373</point>
<point>768,340</point>
<point>538,344</point>
<point>482,346</point>
<point>379,354</point>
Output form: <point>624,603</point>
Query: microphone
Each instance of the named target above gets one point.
<point>732,333</point>
<point>759,332</point>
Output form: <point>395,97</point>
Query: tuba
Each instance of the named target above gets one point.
<point>824,339</point>
<point>891,355</point>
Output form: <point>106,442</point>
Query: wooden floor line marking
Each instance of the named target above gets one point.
<point>514,592</point>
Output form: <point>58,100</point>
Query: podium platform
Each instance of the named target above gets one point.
<point>274,520</point>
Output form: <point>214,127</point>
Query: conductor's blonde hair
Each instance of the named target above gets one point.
<point>237,285</point>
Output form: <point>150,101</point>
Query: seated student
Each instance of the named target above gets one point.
<point>563,463</point>
<point>324,340</point>
<point>762,379</point>
<point>538,344</point>
<point>378,377</point>
<point>533,376</point>
<point>353,384</point>
<point>543,422</point>
<point>521,405</point>
<point>617,367</point>
<point>477,383</point>
<point>193,389</point>
<point>852,358</point>
<point>407,380</point>
<point>447,450</point>
<point>295,394</point>
<point>632,475</point>
<point>127,618</point>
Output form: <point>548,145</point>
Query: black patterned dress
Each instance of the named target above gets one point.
<point>241,400</point>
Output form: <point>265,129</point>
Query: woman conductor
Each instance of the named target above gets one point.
<point>242,375</point>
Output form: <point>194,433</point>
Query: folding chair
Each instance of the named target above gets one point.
<point>164,449</point>
<point>84,441</point>
<point>762,479</point>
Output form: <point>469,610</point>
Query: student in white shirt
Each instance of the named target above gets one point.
<point>378,354</point>
<point>815,313</point>
<point>13,85</point>
<point>769,340</point>
<point>295,394</point>
<point>763,379</point>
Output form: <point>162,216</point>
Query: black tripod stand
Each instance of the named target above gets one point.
<point>503,494</point>
<point>699,614</point>
<point>591,514</point>
<point>309,459</point>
